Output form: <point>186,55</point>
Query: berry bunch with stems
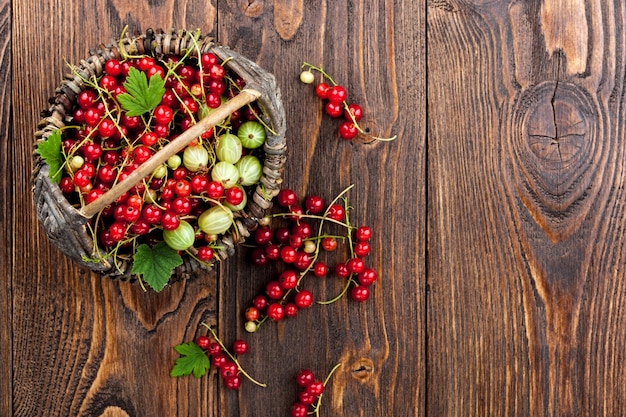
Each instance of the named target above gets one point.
<point>298,244</point>
<point>336,104</point>
<point>310,396</point>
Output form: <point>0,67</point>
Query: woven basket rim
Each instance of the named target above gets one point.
<point>64,224</point>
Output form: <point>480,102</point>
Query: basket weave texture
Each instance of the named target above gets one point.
<point>66,226</point>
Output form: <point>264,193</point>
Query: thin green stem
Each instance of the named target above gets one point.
<point>232,357</point>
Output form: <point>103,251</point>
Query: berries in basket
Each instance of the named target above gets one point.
<point>159,154</point>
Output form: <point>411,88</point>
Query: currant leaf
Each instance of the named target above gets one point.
<point>50,151</point>
<point>155,265</point>
<point>141,95</point>
<point>192,360</point>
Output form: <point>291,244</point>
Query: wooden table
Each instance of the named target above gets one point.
<point>497,217</point>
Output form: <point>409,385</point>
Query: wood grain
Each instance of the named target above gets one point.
<point>90,347</point>
<point>525,194</point>
<point>6,200</point>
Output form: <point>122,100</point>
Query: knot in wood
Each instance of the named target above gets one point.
<point>556,129</point>
<point>362,369</point>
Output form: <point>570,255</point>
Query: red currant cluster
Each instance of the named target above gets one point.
<point>310,395</point>
<point>335,104</point>
<point>201,188</point>
<point>299,246</point>
<point>223,360</point>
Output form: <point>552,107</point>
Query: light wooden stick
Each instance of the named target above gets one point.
<point>244,97</point>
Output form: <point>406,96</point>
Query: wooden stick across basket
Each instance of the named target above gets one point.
<point>65,225</point>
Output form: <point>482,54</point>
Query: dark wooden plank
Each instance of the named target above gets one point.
<point>525,208</point>
<point>6,198</point>
<point>376,49</point>
<point>83,346</point>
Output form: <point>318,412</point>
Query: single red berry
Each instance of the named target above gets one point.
<point>260,302</point>
<point>342,270</point>
<point>303,299</point>
<point>170,221</point>
<point>274,290</point>
<point>291,310</point>
<point>203,342</point>
<point>287,198</point>
<point>306,397</point>
<point>329,244</point>
<point>207,59</point>
<point>93,195</point>
<point>367,277</point>
<point>299,410</point>
<point>360,293</point>
<point>234,195</point>
<point>295,213</point>
<point>337,94</point>
<point>320,269</point>
<point>215,190</point>
<point>216,71</point>
<point>66,185</point>
<point>304,377</point>
<point>302,229</point>
<point>348,130</point>
<point>233,382</point>
<point>205,254</point>
<point>252,314</point>
<point>86,99</point>
<point>315,388</point>
<point>288,279</point>
<point>296,241</point>
<point>240,347</point>
<point>353,111</point>
<point>363,233</point>
<point>108,83</point>
<point>275,312</point>
<point>131,214</point>
<point>263,235</point>
<point>272,251</point>
<point>282,235</point>
<point>303,260</point>
<point>314,204</point>
<point>218,360</point>
<point>362,248</point>
<point>181,206</point>
<point>107,128</point>
<point>214,348</point>
<point>355,265</point>
<point>334,110</point>
<point>113,67</point>
<point>321,90</point>
<point>336,212</point>
<point>259,257</point>
<point>288,254</point>
<point>152,213</point>
<point>213,100</point>
<point>229,369</point>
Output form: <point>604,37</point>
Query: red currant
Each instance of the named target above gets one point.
<point>315,388</point>
<point>337,94</point>
<point>203,342</point>
<point>233,382</point>
<point>320,269</point>
<point>329,244</point>
<point>113,67</point>
<point>322,90</point>
<point>240,347</point>
<point>360,293</point>
<point>303,299</point>
<point>288,254</point>
<point>367,277</point>
<point>348,130</point>
<point>362,248</point>
<point>287,198</point>
<point>363,233</point>
<point>353,111</point>
<point>205,254</point>
<point>288,279</point>
<point>291,310</point>
<point>275,312</point>
<point>336,212</point>
<point>314,204</point>
<point>299,410</point>
<point>334,109</point>
<point>356,265</point>
<point>304,377</point>
<point>252,314</point>
<point>274,290</point>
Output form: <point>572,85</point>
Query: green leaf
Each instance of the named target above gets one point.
<point>155,265</point>
<point>192,360</point>
<point>141,96</point>
<point>50,151</point>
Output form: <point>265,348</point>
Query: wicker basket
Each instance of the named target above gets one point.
<point>66,226</point>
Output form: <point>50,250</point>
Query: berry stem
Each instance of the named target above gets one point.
<point>232,357</point>
<point>317,405</point>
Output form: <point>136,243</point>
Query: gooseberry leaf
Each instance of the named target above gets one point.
<point>192,360</point>
<point>50,151</point>
<point>141,95</point>
<point>155,265</point>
